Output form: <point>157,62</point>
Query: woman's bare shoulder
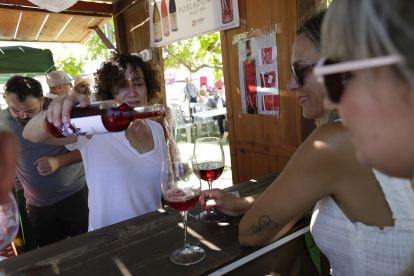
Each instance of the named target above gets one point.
<point>333,135</point>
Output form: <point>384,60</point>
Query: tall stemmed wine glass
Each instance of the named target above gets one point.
<point>209,165</point>
<point>9,221</point>
<point>181,190</point>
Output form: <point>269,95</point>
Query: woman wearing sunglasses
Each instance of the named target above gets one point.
<point>352,218</point>
<point>368,73</point>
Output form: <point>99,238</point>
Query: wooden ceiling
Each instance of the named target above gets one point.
<point>20,20</point>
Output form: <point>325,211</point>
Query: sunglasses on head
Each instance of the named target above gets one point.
<point>85,84</point>
<point>334,75</point>
<point>297,72</point>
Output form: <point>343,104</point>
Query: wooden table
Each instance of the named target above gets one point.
<point>199,116</point>
<point>143,246</point>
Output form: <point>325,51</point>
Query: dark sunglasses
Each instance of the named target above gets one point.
<point>85,84</point>
<point>334,75</point>
<point>297,72</point>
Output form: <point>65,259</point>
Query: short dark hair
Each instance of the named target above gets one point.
<point>112,74</point>
<point>312,27</point>
<point>23,87</point>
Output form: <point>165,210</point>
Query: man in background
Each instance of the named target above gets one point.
<point>59,84</point>
<point>190,91</point>
<point>82,86</point>
<point>53,178</point>
<point>218,102</point>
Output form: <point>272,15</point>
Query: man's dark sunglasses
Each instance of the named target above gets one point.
<point>297,72</point>
<point>85,84</point>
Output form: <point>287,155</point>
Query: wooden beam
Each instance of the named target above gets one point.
<point>19,8</point>
<point>104,39</point>
<point>119,24</point>
<point>79,6</point>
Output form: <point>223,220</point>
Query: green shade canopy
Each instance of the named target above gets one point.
<point>22,60</point>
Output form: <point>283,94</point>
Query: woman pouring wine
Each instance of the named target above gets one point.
<point>123,168</point>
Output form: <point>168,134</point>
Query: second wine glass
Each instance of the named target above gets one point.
<point>181,190</point>
<point>209,165</point>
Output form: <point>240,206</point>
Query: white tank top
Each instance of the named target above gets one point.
<point>358,249</point>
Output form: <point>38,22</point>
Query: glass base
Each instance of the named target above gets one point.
<point>188,256</point>
<point>212,217</point>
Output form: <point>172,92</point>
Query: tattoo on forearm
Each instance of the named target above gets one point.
<point>264,224</point>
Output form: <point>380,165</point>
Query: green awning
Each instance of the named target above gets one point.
<point>26,61</point>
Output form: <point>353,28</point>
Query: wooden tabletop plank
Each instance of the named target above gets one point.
<point>144,245</point>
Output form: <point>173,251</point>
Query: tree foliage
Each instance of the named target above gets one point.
<point>195,54</point>
<point>67,60</point>
<point>96,49</point>
<point>72,58</point>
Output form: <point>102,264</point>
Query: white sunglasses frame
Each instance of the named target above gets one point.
<point>321,70</point>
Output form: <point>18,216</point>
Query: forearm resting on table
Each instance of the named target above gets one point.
<point>263,232</point>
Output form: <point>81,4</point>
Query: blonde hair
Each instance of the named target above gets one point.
<point>327,117</point>
<point>356,29</point>
<point>203,92</point>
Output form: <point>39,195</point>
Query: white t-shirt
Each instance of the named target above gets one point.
<point>122,182</point>
<point>51,95</point>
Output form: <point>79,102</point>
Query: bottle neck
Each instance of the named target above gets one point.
<point>147,112</point>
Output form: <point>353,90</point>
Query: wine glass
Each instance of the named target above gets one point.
<point>209,165</point>
<point>181,190</point>
<point>9,221</point>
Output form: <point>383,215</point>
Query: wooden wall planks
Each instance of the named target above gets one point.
<point>260,144</point>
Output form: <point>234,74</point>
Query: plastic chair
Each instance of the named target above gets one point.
<point>181,124</point>
<point>179,107</point>
<point>202,122</point>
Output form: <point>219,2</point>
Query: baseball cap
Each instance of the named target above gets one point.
<point>56,78</point>
<point>79,79</point>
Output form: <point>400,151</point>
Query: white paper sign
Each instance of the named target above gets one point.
<point>176,20</point>
<point>259,85</point>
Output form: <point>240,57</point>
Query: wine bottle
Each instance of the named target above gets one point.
<point>157,23</point>
<point>249,66</point>
<point>227,11</point>
<point>261,81</point>
<point>103,117</point>
<point>164,15</point>
<point>173,16</point>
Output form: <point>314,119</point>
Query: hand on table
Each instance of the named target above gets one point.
<point>47,165</point>
<point>224,202</point>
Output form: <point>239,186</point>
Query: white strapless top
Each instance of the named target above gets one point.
<point>358,249</point>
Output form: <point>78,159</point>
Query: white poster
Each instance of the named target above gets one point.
<point>176,20</point>
<point>259,80</point>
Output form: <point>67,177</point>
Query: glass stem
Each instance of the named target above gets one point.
<point>212,210</point>
<point>184,217</point>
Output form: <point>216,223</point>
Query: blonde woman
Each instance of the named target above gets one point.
<point>354,215</point>
<point>203,97</point>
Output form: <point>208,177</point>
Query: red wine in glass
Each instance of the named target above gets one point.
<point>209,165</point>
<point>210,171</point>
<point>181,190</point>
<point>181,205</point>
